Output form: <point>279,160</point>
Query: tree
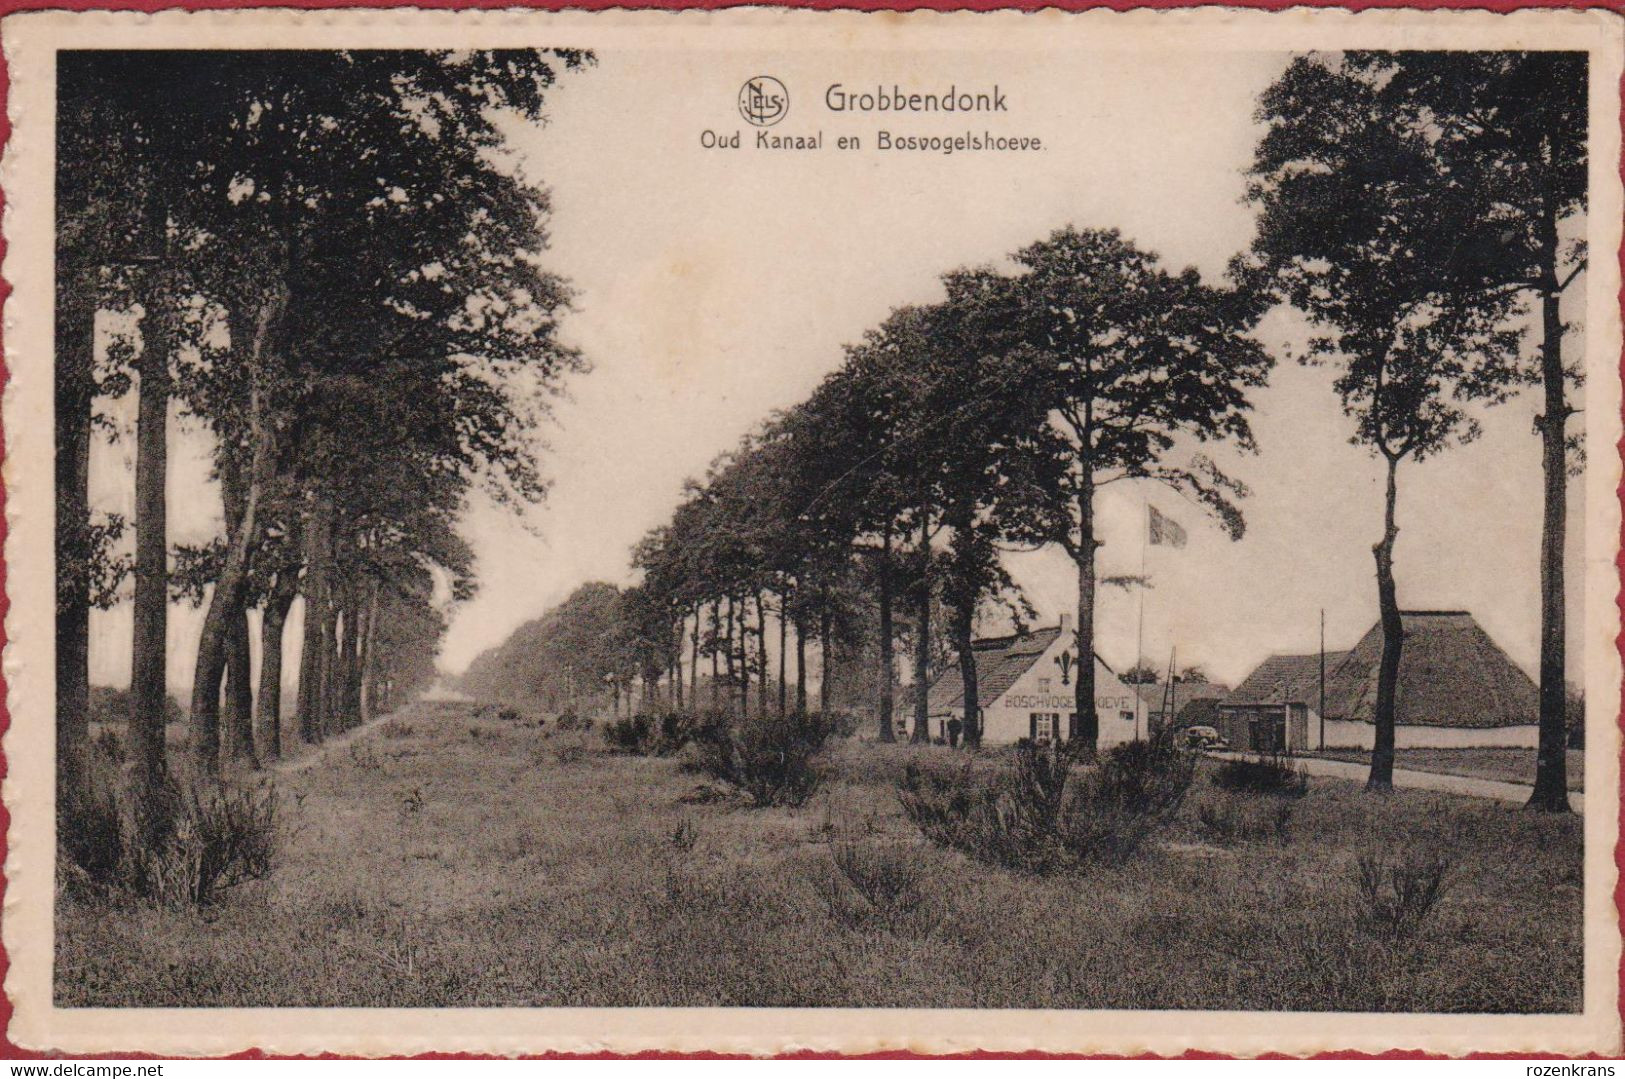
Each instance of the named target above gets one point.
<point>1350,198</point>
<point>364,232</point>
<point>1509,131</point>
<point>1133,365</point>
<point>1141,674</point>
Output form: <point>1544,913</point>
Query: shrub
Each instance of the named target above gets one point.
<point>1230,821</point>
<point>1270,773</point>
<point>89,830</point>
<point>219,838</point>
<point>685,836</point>
<point>1146,778</point>
<point>650,737</point>
<point>866,885</point>
<point>630,735</point>
<point>769,760</point>
<point>1398,892</point>
<point>1037,815</point>
<point>200,840</point>
<point>510,715</point>
<point>568,720</point>
<point>394,728</point>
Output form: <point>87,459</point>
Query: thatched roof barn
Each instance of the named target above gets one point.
<point>1456,688</point>
<point>1451,674</point>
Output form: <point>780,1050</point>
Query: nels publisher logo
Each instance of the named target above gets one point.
<point>763,101</point>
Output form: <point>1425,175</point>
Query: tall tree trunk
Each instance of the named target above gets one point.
<point>225,608</point>
<point>75,392</point>
<point>1551,758</point>
<point>761,657</point>
<point>350,659</point>
<point>728,643</point>
<point>1393,641</point>
<point>1083,690</point>
<point>783,649</point>
<point>801,663</point>
<point>677,660</point>
<point>964,644</point>
<point>237,726</point>
<point>149,640</point>
<point>369,630</point>
<point>272,624</point>
<point>330,656</point>
<point>318,535</point>
<point>237,714</point>
<point>716,679</point>
<point>888,732</point>
<point>226,604</point>
<point>922,637</point>
<point>826,661</point>
<point>694,663</point>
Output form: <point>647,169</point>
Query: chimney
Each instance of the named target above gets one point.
<point>1066,624</point>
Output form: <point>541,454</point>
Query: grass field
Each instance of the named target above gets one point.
<point>444,858</point>
<point>1508,765</point>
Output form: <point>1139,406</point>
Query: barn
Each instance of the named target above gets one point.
<point>1457,689</point>
<point>1025,684</point>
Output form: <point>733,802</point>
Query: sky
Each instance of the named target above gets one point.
<point>714,286</point>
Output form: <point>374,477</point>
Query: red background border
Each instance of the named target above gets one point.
<point>10,1051</point>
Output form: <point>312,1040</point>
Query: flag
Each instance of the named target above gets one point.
<point>1165,531</point>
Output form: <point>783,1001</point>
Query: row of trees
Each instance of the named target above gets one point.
<point>1416,207</point>
<point>952,432</point>
<point>326,264</point>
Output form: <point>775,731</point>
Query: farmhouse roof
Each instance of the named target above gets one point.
<point>1287,680</point>
<point>1451,674</point>
<point>999,662</point>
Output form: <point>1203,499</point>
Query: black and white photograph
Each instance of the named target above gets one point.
<point>766,530</point>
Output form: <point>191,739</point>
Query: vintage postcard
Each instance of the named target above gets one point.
<point>761,530</point>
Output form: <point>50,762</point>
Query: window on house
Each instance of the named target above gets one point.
<point>1041,726</point>
<point>1043,685</point>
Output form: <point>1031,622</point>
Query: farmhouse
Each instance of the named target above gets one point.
<point>1025,684</point>
<point>1457,688</point>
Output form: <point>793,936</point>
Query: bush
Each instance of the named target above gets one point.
<point>866,885</point>
<point>1232,820</point>
<point>89,832</point>
<point>650,737</point>
<point>769,760</point>
<point>1038,816</point>
<point>394,728</point>
<point>201,841</point>
<point>1270,773</point>
<point>568,720</point>
<point>220,838</point>
<point>1397,893</point>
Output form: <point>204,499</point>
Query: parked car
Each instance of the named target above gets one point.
<point>1202,737</point>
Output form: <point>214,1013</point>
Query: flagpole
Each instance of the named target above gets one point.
<point>1139,641</point>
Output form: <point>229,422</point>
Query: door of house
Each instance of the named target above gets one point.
<point>1267,731</point>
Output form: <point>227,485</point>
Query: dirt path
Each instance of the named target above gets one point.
<point>323,749</point>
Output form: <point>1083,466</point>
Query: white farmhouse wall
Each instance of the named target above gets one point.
<point>1346,734</point>
<point>1039,689</point>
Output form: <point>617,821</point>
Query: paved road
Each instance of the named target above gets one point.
<point>1427,781</point>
